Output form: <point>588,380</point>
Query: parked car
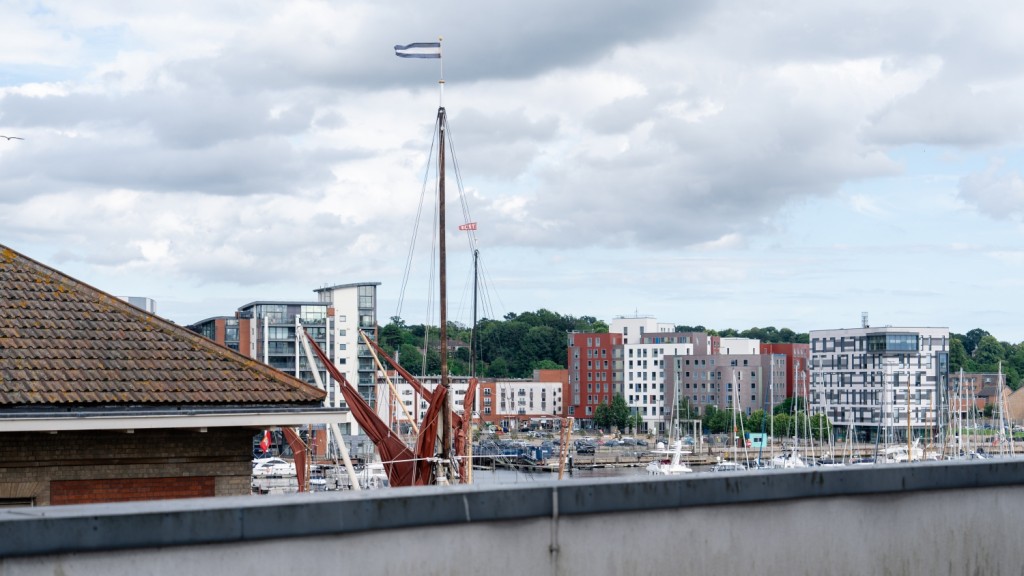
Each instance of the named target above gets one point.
<point>585,448</point>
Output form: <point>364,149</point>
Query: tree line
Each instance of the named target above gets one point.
<point>979,351</point>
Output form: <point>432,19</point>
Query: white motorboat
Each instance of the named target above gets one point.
<point>273,467</point>
<point>670,466</point>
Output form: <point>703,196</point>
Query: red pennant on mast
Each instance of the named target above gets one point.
<point>467,226</point>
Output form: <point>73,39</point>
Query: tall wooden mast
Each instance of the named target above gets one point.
<point>446,412</point>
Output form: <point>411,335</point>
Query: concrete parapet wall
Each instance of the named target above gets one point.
<point>931,518</point>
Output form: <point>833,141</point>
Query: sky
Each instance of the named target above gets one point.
<point>727,164</point>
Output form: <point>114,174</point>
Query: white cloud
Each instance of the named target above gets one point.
<point>996,192</point>
<point>216,147</point>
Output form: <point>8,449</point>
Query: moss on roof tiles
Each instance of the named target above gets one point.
<point>65,342</point>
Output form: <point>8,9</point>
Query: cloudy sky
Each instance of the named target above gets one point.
<point>730,164</point>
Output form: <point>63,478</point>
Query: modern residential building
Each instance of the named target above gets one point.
<point>798,359</point>
<point>644,373</point>
<point>267,331</point>
<point>405,404</point>
<point>353,309</point>
<point>595,371</point>
<point>632,328</point>
<point>873,380</point>
<point>507,403</point>
<point>727,373</point>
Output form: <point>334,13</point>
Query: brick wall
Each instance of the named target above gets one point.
<point>129,489</point>
<point>35,465</point>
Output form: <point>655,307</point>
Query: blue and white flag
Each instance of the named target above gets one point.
<point>419,50</point>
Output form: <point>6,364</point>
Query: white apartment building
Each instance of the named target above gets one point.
<point>633,328</point>
<point>504,402</point>
<point>732,346</point>
<point>351,308</point>
<point>644,373</point>
<point>873,379</point>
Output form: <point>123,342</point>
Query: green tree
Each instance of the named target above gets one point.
<point>1016,360</point>
<point>756,422</point>
<point>391,336</point>
<point>716,421</point>
<point>620,412</point>
<point>603,416</point>
<point>821,428</point>
<point>546,364</point>
<point>988,354</point>
<point>957,354</point>
<point>591,324</point>
<point>972,339</point>
<point>498,368</point>
<point>634,422</point>
<point>411,358</point>
<point>783,425</point>
<point>786,406</point>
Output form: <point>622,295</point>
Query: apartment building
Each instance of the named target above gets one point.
<point>267,331</point>
<point>727,373</point>
<point>353,309</point>
<point>595,373</point>
<point>873,380</point>
<point>632,328</point>
<point>798,359</point>
<point>644,373</point>
<point>505,403</point>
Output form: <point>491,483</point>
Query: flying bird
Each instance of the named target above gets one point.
<point>11,137</point>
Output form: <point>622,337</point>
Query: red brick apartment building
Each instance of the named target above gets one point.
<point>595,370</point>
<point>798,358</point>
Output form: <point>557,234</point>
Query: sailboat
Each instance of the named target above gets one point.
<point>670,461</point>
<point>438,456</point>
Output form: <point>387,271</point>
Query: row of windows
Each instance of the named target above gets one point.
<point>709,375</point>
<point>642,386</point>
<point>643,376</point>
<point>871,361</point>
<point>714,386</point>
<point>645,398</point>
<point>643,363</point>
<point>887,342</point>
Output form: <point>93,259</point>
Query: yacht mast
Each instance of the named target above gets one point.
<point>446,412</point>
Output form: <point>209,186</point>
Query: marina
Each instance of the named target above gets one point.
<point>605,463</point>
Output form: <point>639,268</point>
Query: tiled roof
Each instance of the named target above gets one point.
<point>63,342</point>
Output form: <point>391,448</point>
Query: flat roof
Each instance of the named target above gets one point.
<point>198,521</point>
<point>352,285</point>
